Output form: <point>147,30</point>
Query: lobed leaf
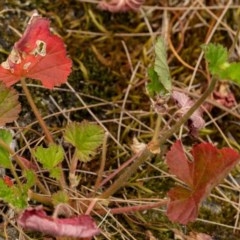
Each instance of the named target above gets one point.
<point>59,197</point>
<point>85,137</point>
<point>216,55</point>
<point>208,167</point>
<point>217,58</point>
<point>13,195</point>
<point>38,55</point>
<point>50,157</point>
<point>232,72</point>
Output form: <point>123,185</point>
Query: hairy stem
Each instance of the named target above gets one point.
<point>36,112</point>
<point>42,124</point>
<point>72,170</point>
<point>43,199</point>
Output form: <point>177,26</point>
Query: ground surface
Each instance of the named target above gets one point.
<point>111,54</point>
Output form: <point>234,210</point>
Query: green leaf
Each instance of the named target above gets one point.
<point>217,57</point>
<point>155,86</point>
<point>161,65</point>
<point>55,173</point>
<point>49,157</point>
<point>13,195</point>
<point>6,137</point>
<point>85,137</point>
<point>60,197</point>
<point>9,105</point>
<point>160,79</point>
<point>232,72</point>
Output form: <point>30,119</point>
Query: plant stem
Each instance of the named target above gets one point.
<point>102,164</point>
<point>157,128</point>
<point>121,181</point>
<point>131,209</point>
<point>42,124</point>
<point>43,199</point>
<point>72,170</point>
<point>146,153</point>
<point>36,112</point>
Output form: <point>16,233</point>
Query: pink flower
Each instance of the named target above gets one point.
<point>120,5</point>
<point>36,219</point>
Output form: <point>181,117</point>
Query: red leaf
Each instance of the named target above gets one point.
<point>38,55</point>
<point>208,167</point>
<point>36,219</point>
<point>120,5</point>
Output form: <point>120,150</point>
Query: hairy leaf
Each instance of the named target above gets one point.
<point>217,58</point>
<point>159,75</point>
<point>208,167</point>
<point>36,219</point>
<point>50,157</point>
<point>232,72</point>
<point>9,105</point>
<point>85,137</point>
<point>38,55</point>
<point>60,197</point>
<point>13,195</point>
<point>161,65</point>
